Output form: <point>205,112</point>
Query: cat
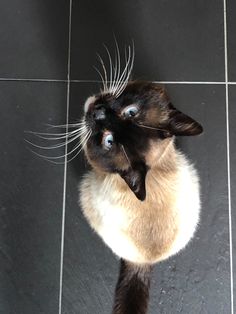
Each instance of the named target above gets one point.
<point>141,195</point>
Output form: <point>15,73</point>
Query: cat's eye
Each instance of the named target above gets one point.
<point>130,111</point>
<point>108,141</point>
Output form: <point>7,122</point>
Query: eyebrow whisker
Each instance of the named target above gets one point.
<point>126,156</point>
<point>126,73</point>
<point>150,127</point>
<point>101,76</point>
<point>118,62</point>
<point>120,83</point>
<point>111,66</point>
<point>130,68</point>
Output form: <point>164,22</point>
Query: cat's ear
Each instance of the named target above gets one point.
<point>181,124</point>
<point>135,178</point>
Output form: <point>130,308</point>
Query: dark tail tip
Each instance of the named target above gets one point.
<point>132,289</point>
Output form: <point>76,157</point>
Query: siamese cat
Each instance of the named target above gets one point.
<point>141,195</point>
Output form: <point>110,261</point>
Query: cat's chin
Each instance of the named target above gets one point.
<point>141,195</point>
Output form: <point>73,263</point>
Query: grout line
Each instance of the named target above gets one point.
<point>2,79</point>
<point>86,81</point>
<point>167,82</point>
<point>163,82</point>
<point>189,82</point>
<point>228,158</point>
<point>65,164</point>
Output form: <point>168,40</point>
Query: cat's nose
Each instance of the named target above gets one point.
<point>99,113</point>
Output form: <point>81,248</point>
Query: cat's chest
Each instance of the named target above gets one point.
<point>120,215</point>
<point>119,210</point>
<point>145,231</point>
<point>112,215</point>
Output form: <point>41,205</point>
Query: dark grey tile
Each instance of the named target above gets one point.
<point>231,25</point>
<point>198,279</point>
<point>232,119</point>
<point>34,39</point>
<point>195,281</point>
<point>30,200</point>
<point>174,40</point>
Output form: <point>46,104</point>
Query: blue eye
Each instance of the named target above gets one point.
<point>108,140</point>
<point>130,111</point>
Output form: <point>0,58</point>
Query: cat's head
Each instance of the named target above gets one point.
<point>125,130</point>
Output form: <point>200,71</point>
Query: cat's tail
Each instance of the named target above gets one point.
<point>132,289</point>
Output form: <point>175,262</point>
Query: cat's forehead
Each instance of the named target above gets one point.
<point>139,104</point>
<point>134,93</point>
<point>106,99</point>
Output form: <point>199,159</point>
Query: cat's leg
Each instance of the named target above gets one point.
<point>132,289</point>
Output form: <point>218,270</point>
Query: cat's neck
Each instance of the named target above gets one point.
<point>162,157</point>
<point>162,160</point>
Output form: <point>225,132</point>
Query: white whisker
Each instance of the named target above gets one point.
<point>56,145</point>
<point>124,72</point>
<point>118,61</point>
<point>129,72</point>
<point>118,79</point>
<point>81,143</point>
<point>126,156</point>
<point>45,157</point>
<point>111,66</point>
<point>84,137</point>
<point>54,136</point>
<point>121,89</point>
<point>105,72</point>
<point>115,68</point>
<point>87,138</point>
<point>79,149</point>
<point>69,125</point>
<point>69,153</point>
<point>150,127</point>
<point>103,82</point>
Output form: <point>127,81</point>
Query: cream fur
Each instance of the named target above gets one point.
<point>89,101</point>
<point>152,230</point>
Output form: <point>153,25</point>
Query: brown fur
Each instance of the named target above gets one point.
<point>132,289</point>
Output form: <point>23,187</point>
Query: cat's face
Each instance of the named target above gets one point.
<point>125,129</point>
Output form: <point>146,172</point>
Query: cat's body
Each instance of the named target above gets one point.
<point>142,194</point>
<point>152,230</point>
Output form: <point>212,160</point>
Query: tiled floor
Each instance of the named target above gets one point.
<point>50,260</point>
